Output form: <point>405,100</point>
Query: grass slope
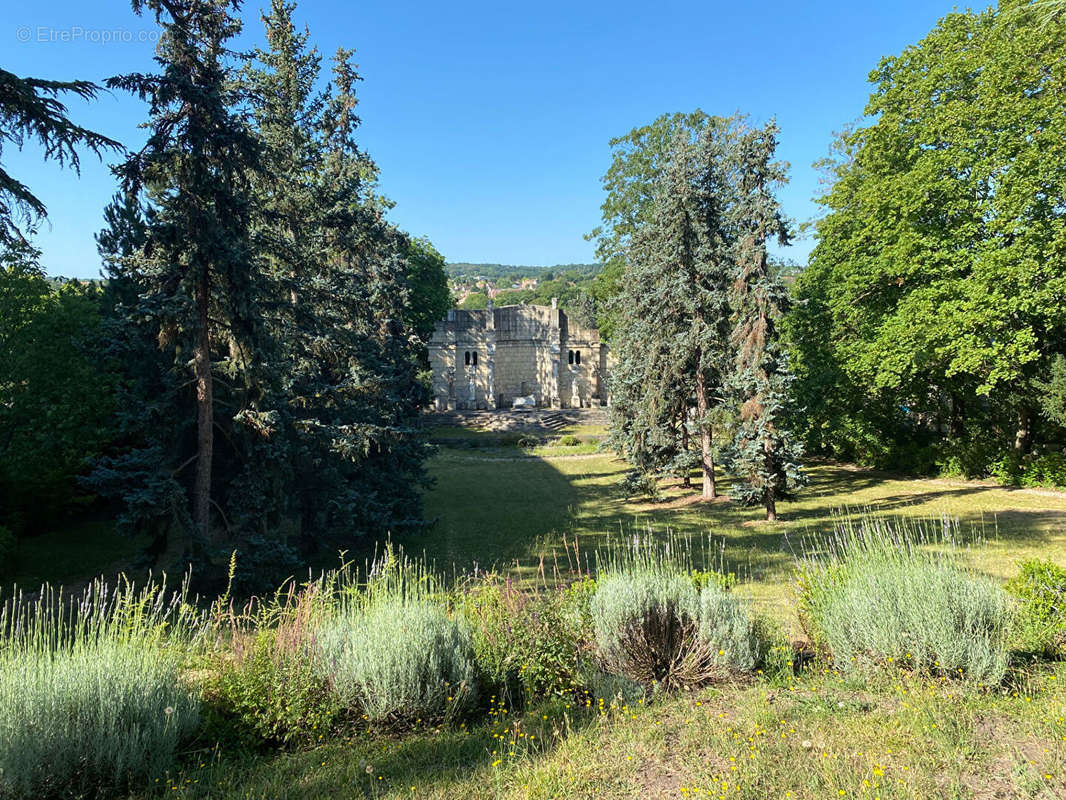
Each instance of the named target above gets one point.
<point>814,737</point>
<point>499,507</point>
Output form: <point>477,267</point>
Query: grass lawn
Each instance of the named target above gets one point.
<point>71,555</point>
<point>505,509</point>
<point>814,737</point>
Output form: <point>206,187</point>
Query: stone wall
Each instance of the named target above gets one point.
<point>485,359</point>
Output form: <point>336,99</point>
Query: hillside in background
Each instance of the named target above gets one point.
<point>462,269</point>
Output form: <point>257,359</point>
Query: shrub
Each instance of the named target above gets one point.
<point>397,660</point>
<point>1040,626</point>
<point>569,441</point>
<point>528,442</point>
<point>90,697</point>
<point>528,644</point>
<point>8,551</point>
<point>879,598</point>
<point>1047,470</point>
<point>658,629</point>
<point>262,685</point>
<point>636,483</point>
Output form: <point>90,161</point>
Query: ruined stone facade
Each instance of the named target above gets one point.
<point>485,359</point>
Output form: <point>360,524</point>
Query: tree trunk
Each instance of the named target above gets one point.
<point>686,478</point>
<point>706,457</point>
<point>1023,438</point>
<point>205,416</point>
<point>958,414</point>
<point>771,507</point>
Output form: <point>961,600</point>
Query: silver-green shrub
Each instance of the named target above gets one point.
<point>397,660</point>
<point>91,702</point>
<point>880,597</point>
<point>656,627</point>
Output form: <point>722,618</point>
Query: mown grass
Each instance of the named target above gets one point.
<point>523,514</point>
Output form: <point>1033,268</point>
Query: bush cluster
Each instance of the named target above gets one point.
<point>397,661</point>
<point>637,483</point>
<point>879,598</point>
<point>659,629</point>
<point>99,695</point>
<point>529,643</point>
<point>91,698</point>
<point>1040,589</point>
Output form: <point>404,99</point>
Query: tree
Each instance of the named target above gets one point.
<point>638,160</point>
<point>672,314</point>
<point>30,109</point>
<point>936,279</point>
<point>56,391</point>
<point>764,455</point>
<point>430,297</point>
<point>196,271</point>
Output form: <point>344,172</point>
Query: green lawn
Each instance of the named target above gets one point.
<point>500,508</point>
<point>74,554</point>
<point>816,737</point>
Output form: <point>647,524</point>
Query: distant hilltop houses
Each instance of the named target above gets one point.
<point>490,358</point>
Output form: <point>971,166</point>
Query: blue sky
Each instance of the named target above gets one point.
<point>490,120</point>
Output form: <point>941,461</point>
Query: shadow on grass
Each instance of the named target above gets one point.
<point>365,765</point>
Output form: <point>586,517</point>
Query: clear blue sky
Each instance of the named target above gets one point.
<point>490,120</point>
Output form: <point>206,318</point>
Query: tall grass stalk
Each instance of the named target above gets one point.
<point>91,700</point>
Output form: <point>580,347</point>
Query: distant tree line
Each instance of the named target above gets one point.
<point>252,371</point>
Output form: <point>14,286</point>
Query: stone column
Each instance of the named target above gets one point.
<point>490,366</point>
<point>555,350</point>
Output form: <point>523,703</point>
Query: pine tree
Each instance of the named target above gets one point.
<point>30,108</point>
<point>764,456</point>
<point>673,314</point>
<point>196,271</point>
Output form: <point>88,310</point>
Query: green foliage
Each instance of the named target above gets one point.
<point>91,702</point>
<point>637,483</point>
<point>931,306</point>
<point>262,685</point>
<point>569,440</point>
<point>475,301</point>
<point>56,393</point>
<point>529,644</point>
<point>879,598</point>
<point>429,297</point>
<point>1052,392</point>
<point>764,455</point>
<point>1040,626</point>
<point>639,160</point>
<point>299,336</point>
<point>398,660</point>
<point>1046,470</point>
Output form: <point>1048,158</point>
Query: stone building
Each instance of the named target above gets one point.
<point>485,359</point>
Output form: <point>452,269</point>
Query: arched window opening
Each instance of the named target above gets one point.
<point>569,356</point>
<point>577,356</point>
<point>466,358</point>
<point>473,357</point>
